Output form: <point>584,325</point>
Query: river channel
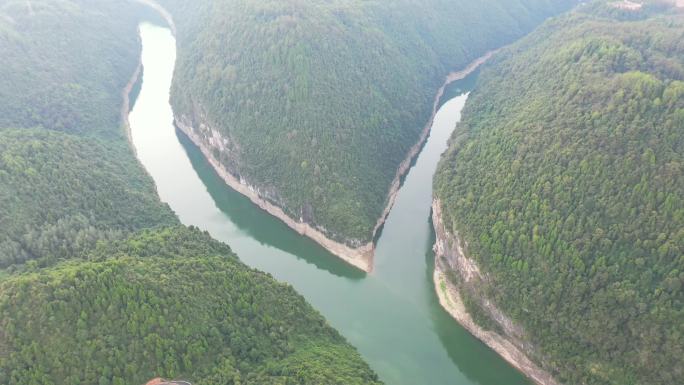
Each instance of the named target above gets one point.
<point>391,315</point>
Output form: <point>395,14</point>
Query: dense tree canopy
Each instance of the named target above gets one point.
<point>172,303</point>
<point>60,194</point>
<point>317,102</point>
<point>568,187</point>
<point>68,177</point>
<point>64,64</point>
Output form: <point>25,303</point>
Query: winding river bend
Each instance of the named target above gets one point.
<point>392,315</point>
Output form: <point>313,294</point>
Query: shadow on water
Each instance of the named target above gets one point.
<point>478,356</point>
<point>451,91</point>
<point>135,91</point>
<point>260,225</point>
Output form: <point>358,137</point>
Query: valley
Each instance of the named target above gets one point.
<point>392,314</point>
<point>341,192</point>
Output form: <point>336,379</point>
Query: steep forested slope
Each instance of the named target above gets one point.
<point>67,174</point>
<point>316,103</point>
<point>60,194</point>
<point>171,303</point>
<point>64,64</point>
<point>568,188</point>
<point>122,310</point>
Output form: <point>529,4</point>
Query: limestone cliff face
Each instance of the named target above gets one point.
<point>226,154</point>
<point>223,155</point>
<point>457,276</point>
<point>224,150</point>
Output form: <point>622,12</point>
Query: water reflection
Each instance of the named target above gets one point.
<point>258,224</point>
<point>392,315</point>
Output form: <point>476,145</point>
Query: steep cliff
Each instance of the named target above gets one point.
<point>460,286</point>
<point>315,105</point>
<point>565,185</point>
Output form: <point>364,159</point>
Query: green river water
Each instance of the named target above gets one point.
<point>391,315</point>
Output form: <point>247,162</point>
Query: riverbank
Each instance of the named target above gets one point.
<point>405,166</point>
<point>360,257</point>
<point>126,106</point>
<point>448,246</point>
<point>126,93</point>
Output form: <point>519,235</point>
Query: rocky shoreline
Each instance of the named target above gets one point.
<point>508,345</point>
<point>413,153</point>
<point>360,257</point>
<point>126,105</point>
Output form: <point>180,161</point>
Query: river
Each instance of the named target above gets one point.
<point>391,315</point>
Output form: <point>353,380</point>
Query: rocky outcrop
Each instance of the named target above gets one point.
<point>211,143</point>
<point>413,153</point>
<point>455,274</point>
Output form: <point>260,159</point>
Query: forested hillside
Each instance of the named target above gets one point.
<point>566,181</point>
<point>171,303</point>
<point>60,194</point>
<point>107,296</point>
<point>67,174</point>
<point>64,64</point>
<point>316,103</point>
